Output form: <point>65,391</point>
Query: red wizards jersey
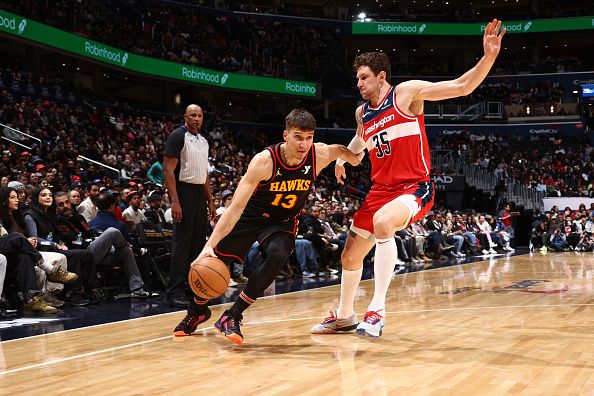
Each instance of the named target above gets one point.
<point>397,143</point>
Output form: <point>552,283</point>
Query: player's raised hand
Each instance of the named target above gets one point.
<point>492,38</point>
<point>340,173</point>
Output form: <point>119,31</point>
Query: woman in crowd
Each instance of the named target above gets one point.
<point>40,222</point>
<point>39,275</point>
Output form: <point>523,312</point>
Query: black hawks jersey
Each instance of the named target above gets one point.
<point>282,196</point>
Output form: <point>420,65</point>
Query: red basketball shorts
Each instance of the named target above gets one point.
<point>417,196</point>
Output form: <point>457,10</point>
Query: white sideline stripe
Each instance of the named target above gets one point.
<point>84,355</point>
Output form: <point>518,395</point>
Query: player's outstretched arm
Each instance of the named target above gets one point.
<point>357,146</point>
<point>259,169</point>
<point>326,153</point>
<point>417,90</point>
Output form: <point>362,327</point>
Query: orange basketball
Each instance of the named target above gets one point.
<point>208,277</point>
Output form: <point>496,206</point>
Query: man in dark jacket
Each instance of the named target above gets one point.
<point>311,228</point>
<point>113,234</point>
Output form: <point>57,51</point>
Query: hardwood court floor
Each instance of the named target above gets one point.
<point>506,326</point>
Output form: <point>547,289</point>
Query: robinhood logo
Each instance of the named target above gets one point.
<point>104,53</point>
<point>400,28</point>
<point>203,76</point>
<point>518,27</point>
<point>302,88</point>
<point>22,26</point>
<point>8,23</point>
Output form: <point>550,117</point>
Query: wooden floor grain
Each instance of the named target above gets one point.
<point>508,326</point>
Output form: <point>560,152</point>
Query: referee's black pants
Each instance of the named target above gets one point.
<point>189,236</point>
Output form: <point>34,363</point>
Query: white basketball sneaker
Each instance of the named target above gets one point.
<point>372,324</point>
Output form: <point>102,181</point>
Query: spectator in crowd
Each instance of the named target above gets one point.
<point>306,257</point>
<point>420,233</point>
<point>454,234</point>
<point>311,229</point>
<point>41,223</point>
<point>74,196</point>
<point>133,215</point>
<point>21,191</point>
<point>154,213</point>
<point>108,248</point>
<point>155,172</point>
<point>88,207</point>
<point>21,261</point>
<point>436,235</point>
<point>226,199</point>
<point>105,220</point>
<point>50,268</point>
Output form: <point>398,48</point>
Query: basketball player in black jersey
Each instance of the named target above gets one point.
<point>265,207</point>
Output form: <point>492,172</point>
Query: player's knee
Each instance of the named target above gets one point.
<point>350,262</point>
<point>279,250</point>
<point>279,257</point>
<point>383,226</point>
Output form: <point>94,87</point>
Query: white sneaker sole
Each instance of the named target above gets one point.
<point>368,330</point>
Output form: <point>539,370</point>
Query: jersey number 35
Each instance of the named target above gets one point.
<point>382,144</point>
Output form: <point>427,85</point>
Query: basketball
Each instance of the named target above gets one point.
<point>209,277</point>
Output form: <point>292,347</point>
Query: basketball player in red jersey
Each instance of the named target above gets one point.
<point>390,125</point>
<point>265,207</point>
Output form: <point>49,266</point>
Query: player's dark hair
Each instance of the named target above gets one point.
<point>376,61</point>
<point>300,119</point>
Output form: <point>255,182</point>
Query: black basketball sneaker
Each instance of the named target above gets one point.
<point>229,326</point>
<point>189,324</point>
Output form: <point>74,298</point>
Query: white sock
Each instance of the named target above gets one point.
<point>386,254</point>
<point>348,288</point>
<point>45,266</point>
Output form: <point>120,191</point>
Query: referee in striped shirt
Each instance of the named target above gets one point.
<point>185,165</point>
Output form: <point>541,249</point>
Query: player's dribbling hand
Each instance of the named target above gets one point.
<point>176,212</point>
<point>207,251</point>
<point>340,173</point>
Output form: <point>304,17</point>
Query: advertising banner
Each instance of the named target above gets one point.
<point>525,130</point>
<point>31,30</point>
<point>472,29</point>
<point>448,183</point>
